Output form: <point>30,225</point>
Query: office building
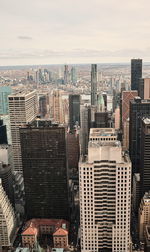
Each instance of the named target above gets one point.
<point>136,73</point>
<point>100,103</point>
<point>144,215</point>
<point>7,219</point>
<point>73,151</point>
<point>66,75</point>
<point>7,181</point>
<point>101,120</point>
<point>145,155</point>
<point>57,107</point>
<point>85,124</point>
<point>93,84</point>
<point>74,111</point>
<point>138,109</point>
<point>127,96</point>
<point>105,194</point>
<point>45,170</point>
<point>22,109</point>
<point>117,118</point>
<point>125,140</point>
<point>5,90</point>
<point>42,105</point>
<point>73,75</point>
<point>3,133</point>
<point>6,121</point>
<point>144,88</point>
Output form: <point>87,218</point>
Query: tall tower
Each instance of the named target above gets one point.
<point>45,170</point>
<point>136,73</point>
<point>105,194</point>
<point>57,107</point>
<point>144,156</point>
<point>7,219</point>
<point>94,84</point>
<point>5,90</point>
<point>22,109</point>
<point>66,75</point>
<point>138,109</point>
<point>74,110</point>
<point>144,88</point>
<point>73,75</point>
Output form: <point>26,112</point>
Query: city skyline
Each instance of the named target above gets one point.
<point>64,32</point>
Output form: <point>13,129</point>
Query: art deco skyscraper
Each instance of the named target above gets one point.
<point>136,73</point>
<point>105,194</point>
<point>22,109</point>
<point>94,84</point>
<point>45,170</point>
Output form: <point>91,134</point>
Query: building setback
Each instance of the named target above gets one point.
<point>45,170</point>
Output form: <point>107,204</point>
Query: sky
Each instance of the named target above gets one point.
<point>73,31</point>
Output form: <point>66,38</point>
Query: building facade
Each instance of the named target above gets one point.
<point>45,170</point>
<point>93,84</point>
<point>74,110</point>
<point>5,90</point>
<point>136,73</point>
<point>22,109</point>
<point>144,88</point>
<point>105,194</point>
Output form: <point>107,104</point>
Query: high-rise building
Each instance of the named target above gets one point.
<point>136,192</point>
<point>66,74</point>
<point>94,84</point>
<point>57,107</point>
<point>144,215</point>
<point>45,170</point>
<point>3,133</point>
<point>101,120</point>
<point>73,151</point>
<point>105,194</point>
<point>145,156</point>
<point>85,124</point>
<point>136,73</point>
<point>74,110</point>
<point>127,96</point>
<point>7,180</point>
<point>73,75</point>
<point>6,121</point>
<point>144,88</point>
<point>22,109</point>
<point>7,219</point>
<point>5,90</point>
<point>138,109</point>
<point>42,105</point>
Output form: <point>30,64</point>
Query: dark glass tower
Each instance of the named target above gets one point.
<point>93,84</point>
<point>138,109</point>
<point>145,156</point>
<point>45,170</point>
<point>136,73</point>
<point>74,110</point>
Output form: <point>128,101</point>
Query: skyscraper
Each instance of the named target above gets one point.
<point>85,119</point>
<point>45,170</point>
<point>5,90</point>
<point>57,107</point>
<point>74,110</point>
<point>73,75</point>
<point>145,156</point>
<point>136,73</point>
<point>138,109</point>
<point>66,74</point>
<point>105,194</point>
<point>144,88</point>
<point>22,109</point>
<point>93,84</point>
<point>7,219</point>
<point>127,96</point>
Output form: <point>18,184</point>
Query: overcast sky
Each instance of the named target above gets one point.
<point>73,31</point>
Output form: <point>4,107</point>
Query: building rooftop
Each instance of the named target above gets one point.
<point>96,132</point>
<point>146,197</point>
<point>146,120</point>
<point>22,93</point>
<point>60,231</point>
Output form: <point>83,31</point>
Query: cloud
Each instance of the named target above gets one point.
<point>24,37</point>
